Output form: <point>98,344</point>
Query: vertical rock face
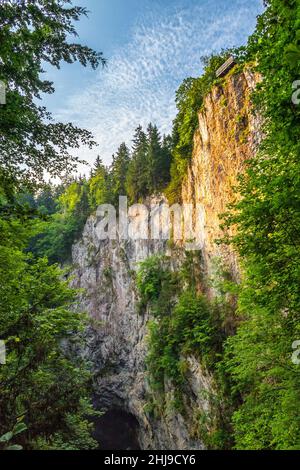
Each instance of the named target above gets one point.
<point>227,136</point>
<point>105,269</point>
<point>116,338</point>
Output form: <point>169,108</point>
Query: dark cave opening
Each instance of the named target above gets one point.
<point>116,429</point>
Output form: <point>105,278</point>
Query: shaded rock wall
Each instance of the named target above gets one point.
<point>116,339</point>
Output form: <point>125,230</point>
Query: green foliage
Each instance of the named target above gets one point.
<point>184,324</point>
<point>65,208</point>
<point>118,173</point>
<point>42,388</point>
<point>58,233</point>
<point>98,186</point>
<point>258,360</point>
<point>5,439</point>
<point>188,329</point>
<point>39,380</point>
<point>255,374</point>
<point>32,34</point>
<point>76,431</point>
<point>193,326</point>
<point>136,179</point>
<point>212,425</point>
<point>258,357</point>
<point>46,199</point>
<point>156,285</point>
<point>149,168</point>
<point>189,99</point>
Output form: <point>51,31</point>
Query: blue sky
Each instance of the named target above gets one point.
<point>151,46</point>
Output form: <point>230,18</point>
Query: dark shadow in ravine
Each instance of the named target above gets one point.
<point>116,430</point>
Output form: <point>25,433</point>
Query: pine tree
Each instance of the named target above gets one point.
<point>137,176</point>
<point>149,168</point>
<point>154,155</point>
<point>118,172</point>
<point>45,200</point>
<point>98,166</point>
<point>99,185</point>
<point>165,161</point>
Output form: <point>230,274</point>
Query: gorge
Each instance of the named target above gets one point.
<point>155,342</point>
<point>227,135</point>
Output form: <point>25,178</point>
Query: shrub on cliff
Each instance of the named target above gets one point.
<point>267,219</point>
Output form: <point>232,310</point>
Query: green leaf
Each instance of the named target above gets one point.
<point>15,447</point>
<point>20,427</point>
<point>6,437</point>
<point>292,53</point>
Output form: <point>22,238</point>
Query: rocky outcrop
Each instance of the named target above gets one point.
<point>227,136</point>
<point>106,270</point>
<point>116,337</point>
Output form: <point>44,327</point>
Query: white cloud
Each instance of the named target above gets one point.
<point>139,84</point>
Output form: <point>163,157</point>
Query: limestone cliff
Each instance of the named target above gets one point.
<point>116,339</point>
<point>228,134</point>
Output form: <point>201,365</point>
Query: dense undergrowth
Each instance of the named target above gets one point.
<point>184,323</point>
<point>254,369</point>
<point>44,389</point>
<point>267,218</point>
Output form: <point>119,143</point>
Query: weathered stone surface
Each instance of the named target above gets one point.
<point>116,339</point>
<point>227,136</point>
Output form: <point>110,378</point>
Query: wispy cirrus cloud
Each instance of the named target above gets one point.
<point>139,84</point>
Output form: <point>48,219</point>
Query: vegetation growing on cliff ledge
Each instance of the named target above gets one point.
<point>184,324</point>
<point>255,362</point>
<point>258,357</point>
<point>189,100</point>
<point>45,387</point>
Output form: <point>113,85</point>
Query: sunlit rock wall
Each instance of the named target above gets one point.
<point>227,135</point>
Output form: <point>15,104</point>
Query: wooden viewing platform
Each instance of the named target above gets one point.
<point>224,69</point>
